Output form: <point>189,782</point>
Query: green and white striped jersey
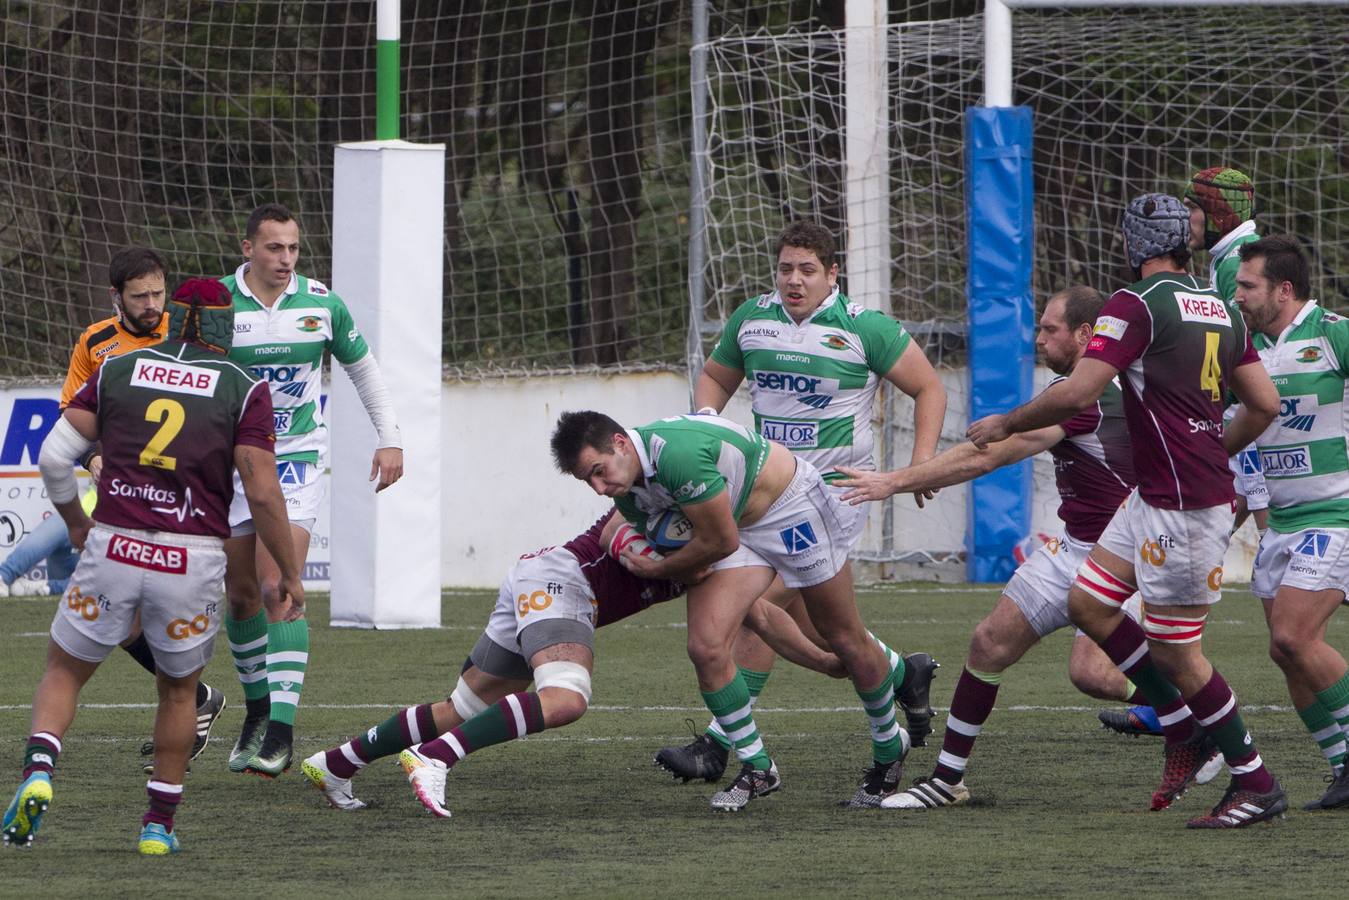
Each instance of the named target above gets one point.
<point>284,345</point>
<point>687,460</point>
<point>1224,259</point>
<point>1303,451</point>
<point>813,385</point>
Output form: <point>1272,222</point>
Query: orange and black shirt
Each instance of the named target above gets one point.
<point>96,343</point>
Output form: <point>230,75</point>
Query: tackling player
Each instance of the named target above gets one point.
<point>1302,569</point>
<point>1093,468</point>
<point>542,630</point>
<point>284,324</point>
<point>1179,350</point>
<point>174,420</point>
<point>814,363</point>
<point>757,512</point>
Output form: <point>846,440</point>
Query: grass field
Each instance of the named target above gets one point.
<point>1060,805</point>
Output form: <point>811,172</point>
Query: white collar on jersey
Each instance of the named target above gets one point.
<point>239,282</point>
<point>648,470</point>
<point>827,302</point>
<point>1220,249</point>
<point>1297,320</point>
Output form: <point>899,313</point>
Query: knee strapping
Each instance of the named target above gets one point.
<point>1099,583</point>
<point>1174,629</point>
<point>466,703</point>
<point>569,676</point>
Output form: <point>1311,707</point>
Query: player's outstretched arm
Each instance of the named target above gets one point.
<point>1259,405</point>
<point>716,383</point>
<point>780,631</point>
<point>387,464</point>
<point>257,470</point>
<point>913,374</point>
<point>72,436</point>
<point>961,463</point>
<point>1057,403</point>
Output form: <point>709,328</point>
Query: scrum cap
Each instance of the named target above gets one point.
<point>1154,225</point>
<point>1227,198</point>
<point>201,312</point>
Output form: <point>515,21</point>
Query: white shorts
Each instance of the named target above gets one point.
<point>547,590</point>
<point>1177,554</point>
<point>1314,559</point>
<point>1249,479</point>
<point>302,487</point>
<point>852,531</point>
<point>805,535</point>
<point>176,582</point>
<point>1039,586</point>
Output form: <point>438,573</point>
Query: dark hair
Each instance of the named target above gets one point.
<point>267,212</point>
<point>1181,256</point>
<point>134,262</point>
<point>809,236</point>
<point>1081,305</point>
<point>577,430</point>
<point>1284,261</point>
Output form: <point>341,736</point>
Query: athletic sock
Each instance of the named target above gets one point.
<point>733,708</point>
<point>879,704</point>
<point>248,646</point>
<point>511,717</point>
<point>754,681</point>
<point>287,659</point>
<point>164,800</point>
<point>1335,699</point>
<point>1127,647</point>
<point>976,693</point>
<point>898,671</point>
<point>1326,732</point>
<point>1215,706</point>
<point>41,753</point>
<point>140,651</point>
<point>398,732</point>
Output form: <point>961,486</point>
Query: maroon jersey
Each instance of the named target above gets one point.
<point>618,592</point>
<point>1175,343</point>
<point>1093,466</point>
<point>169,418</point>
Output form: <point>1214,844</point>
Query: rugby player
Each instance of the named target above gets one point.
<point>1302,569</point>
<point>542,630</point>
<point>1180,350</point>
<point>174,419</point>
<point>284,324</point>
<point>756,512</point>
<point>814,362</point>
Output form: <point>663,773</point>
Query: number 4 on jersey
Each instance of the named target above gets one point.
<point>1211,376</point>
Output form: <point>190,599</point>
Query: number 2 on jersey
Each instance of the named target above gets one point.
<point>170,415</point>
<point>1211,375</point>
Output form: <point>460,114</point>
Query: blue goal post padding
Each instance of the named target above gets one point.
<point>1000,228</point>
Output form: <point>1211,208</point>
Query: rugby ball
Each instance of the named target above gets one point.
<point>669,531</point>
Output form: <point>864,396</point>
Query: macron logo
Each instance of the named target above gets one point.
<point>175,377</point>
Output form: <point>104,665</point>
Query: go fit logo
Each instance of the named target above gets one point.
<point>86,606</point>
<point>1154,552</point>
<point>182,629</point>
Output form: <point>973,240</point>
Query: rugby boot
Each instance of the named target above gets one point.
<point>155,841</point>
<point>1133,721</point>
<point>273,758</point>
<point>750,783</point>
<point>1183,763</point>
<point>337,791</point>
<point>929,793</point>
<point>880,781</point>
<point>914,695</point>
<point>249,742</point>
<point>702,758</point>
<point>427,777</point>
<point>1336,795</point>
<point>24,815</point>
<point>1239,808</point>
